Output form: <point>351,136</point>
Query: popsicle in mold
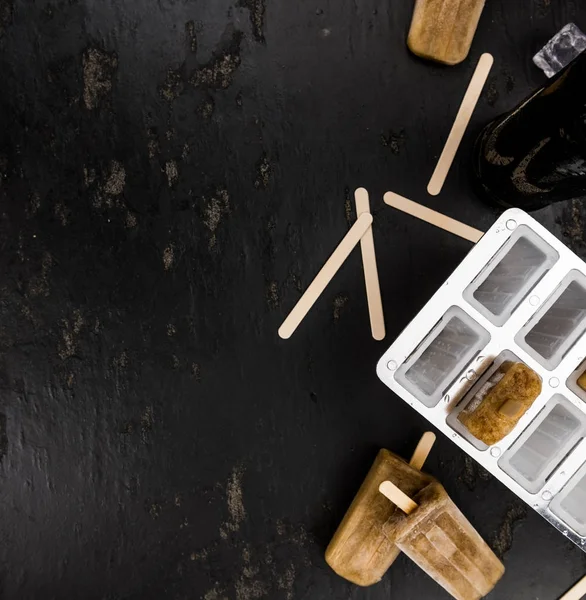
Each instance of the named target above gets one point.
<point>440,540</point>
<point>582,381</point>
<point>362,548</point>
<point>498,405</point>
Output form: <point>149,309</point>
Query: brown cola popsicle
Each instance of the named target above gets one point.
<point>440,540</point>
<point>582,381</point>
<point>498,405</point>
<point>442,30</point>
<point>361,550</point>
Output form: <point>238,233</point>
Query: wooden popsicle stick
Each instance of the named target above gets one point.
<point>327,272</point>
<point>395,495</point>
<point>511,409</point>
<point>375,304</point>
<point>433,217</point>
<point>576,592</point>
<point>460,124</point>
<point>422,451</point>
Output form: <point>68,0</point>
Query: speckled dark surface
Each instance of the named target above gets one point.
<point>172,175</point>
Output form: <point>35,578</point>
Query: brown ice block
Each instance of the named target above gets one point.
<point>442,30</point>
<point>582,381</point>
<point>440,540</point>
<point>361,549</point>
<point>501,402</point>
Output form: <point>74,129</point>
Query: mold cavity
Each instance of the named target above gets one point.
<point>552,332</point>
<point>443,355</point>
<point>476,394</point>
<point>577,381</point>
<point>543,446</point>
<point>570,504</point>
<point>510,275</point>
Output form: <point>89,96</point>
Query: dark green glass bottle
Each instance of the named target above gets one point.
<point>536,154</point>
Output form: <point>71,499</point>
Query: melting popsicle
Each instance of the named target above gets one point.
<point>361,550</point>
<point>442,30</point>
<point>439,539</point>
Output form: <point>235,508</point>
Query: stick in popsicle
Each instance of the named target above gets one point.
<point>422,451</point>
<point>360,550</point>
<point>433,533</point>
<point>397,497</point>
<point>392,492</point>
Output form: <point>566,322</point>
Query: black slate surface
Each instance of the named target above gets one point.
<point>172,175</point>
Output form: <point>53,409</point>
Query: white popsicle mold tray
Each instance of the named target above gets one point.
<point>519,294</point>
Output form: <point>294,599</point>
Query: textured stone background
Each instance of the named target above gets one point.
<point>172,175</point>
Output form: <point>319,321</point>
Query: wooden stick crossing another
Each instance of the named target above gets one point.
<point>375,305</point>
<point>327,272</point>
<point>576,592</point>
<point>433,217</point>
<point>396,496</point>
<point>460,124</point>
<point>422,451</point>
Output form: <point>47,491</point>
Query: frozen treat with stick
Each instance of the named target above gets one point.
<point>361,549</point>
<point>430,529</point>
<point>443,30</point>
